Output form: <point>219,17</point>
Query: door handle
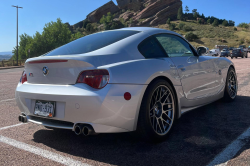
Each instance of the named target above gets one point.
<point>181,67</point>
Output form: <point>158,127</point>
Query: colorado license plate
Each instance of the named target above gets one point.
<point>45,108</point>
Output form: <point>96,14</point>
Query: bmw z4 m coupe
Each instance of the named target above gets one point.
<point>131,79</point>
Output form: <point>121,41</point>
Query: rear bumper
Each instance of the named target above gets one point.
<point>105,109</point>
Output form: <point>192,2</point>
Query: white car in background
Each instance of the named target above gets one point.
<point>215,52</point>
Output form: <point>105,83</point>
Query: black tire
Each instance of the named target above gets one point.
<point>227,93</point>
<point>145,128</point>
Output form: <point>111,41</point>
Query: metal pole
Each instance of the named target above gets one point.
<point>17,37</point>
<point>17,33</point>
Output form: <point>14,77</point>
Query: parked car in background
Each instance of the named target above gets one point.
<point>215,52</point>
<point>231,48</point>
<point>238,52</point>
<point>246,50</point>
<point>225,53</point>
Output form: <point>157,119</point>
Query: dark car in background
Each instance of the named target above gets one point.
<point>238,52</point>
<point>225,53</point>
<point>231,48</point>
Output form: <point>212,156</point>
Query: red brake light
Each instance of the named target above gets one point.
<point>23,78</point>
<point>95,78</point>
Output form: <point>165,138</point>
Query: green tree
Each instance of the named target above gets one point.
<point>180,13</point>
<point>225,23</point>
<point>172,26</point>
<point>209,21</point>
<point>199,21</point>
<point>194,11</point>
<point>181,25</point>
<point>90,28</point>
<point>109,17</point>
<point>202,16</point>
<point>186,9</point>
<point>103,20</point>
<point>215,23</point>
<point>191,36</point>
<point>243,25</point>
<point>169,21</point>
<point>76,36</point>
<point>195,15</point>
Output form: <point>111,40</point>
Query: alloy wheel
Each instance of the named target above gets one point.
<point>232,85</point>
<point>162,107</point>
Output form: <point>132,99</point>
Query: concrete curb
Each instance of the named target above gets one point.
<point>10,67</point>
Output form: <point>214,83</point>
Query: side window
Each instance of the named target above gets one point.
<point>150,48</point>
<point>174,45</point>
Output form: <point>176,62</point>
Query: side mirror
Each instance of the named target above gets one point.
<point>202,50</point>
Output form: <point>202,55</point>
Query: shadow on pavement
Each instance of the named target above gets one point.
<point>195,139</point>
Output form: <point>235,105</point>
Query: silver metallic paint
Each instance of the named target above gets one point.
<point>105,109</point>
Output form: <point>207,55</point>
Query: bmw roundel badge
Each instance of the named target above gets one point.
<point>45,70</point>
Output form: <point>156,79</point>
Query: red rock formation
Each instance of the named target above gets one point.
<point>159,11</point>
<point>127,15</point>
<point>96,15</point>
<point>154,8</point>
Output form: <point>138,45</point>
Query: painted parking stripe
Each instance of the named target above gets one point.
<point>41,152</point>
<point>231,150</point>
<point>3,128</point>
<point>6,100</point>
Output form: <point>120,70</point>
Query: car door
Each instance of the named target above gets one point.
<point>197,73</point>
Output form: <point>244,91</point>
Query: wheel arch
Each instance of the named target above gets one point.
<point>178,112</point>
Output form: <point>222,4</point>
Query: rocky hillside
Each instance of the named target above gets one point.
<point>155,13</point>
<point>135,12</point>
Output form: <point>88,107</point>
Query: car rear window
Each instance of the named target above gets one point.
<point>91,42</point>
<point>150,48</point>
<point>236,50</point>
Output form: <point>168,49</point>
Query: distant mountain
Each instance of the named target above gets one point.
<point>5,55</point>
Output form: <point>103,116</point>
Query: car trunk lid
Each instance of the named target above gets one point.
<point>63,71</point>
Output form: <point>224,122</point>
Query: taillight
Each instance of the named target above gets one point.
<point>95,78</point>
<point>23,77</point>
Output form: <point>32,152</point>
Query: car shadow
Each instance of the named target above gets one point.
<point>196,138</point>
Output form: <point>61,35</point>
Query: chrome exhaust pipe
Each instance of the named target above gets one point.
<point>88,130</point>
<point>78,129</point>
<point>22,118</point>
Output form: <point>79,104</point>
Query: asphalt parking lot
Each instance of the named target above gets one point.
<point>198,138</point>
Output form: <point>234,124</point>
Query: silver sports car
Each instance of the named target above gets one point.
<point>130,79</point>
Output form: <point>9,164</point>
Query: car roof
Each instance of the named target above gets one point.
<point>149,29</point>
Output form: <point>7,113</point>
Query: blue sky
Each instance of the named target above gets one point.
<point>36,13</point>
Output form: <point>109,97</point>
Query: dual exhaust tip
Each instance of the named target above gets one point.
<point>22,118</point>
<point>79,128</point>
<point>84,129</point>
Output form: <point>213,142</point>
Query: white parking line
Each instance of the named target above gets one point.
<point>3,128</point>
<point>44,153</point>
<point>231,150</point>
<point>6,100</point>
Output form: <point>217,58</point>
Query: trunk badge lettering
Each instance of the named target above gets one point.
<point>45,70</point>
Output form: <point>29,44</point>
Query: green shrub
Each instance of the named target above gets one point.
<point>225,23</point>
<point>191,36</point>
<point>209,21</point>
<point>235,29</point>
<point>243,25</point>
<point>172,26</point>
<point>181,25</point>
<point>168,21</point>
<point>187,28</point>
<point>215,23</point>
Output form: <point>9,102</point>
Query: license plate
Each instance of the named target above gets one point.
<point>45,108</point>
